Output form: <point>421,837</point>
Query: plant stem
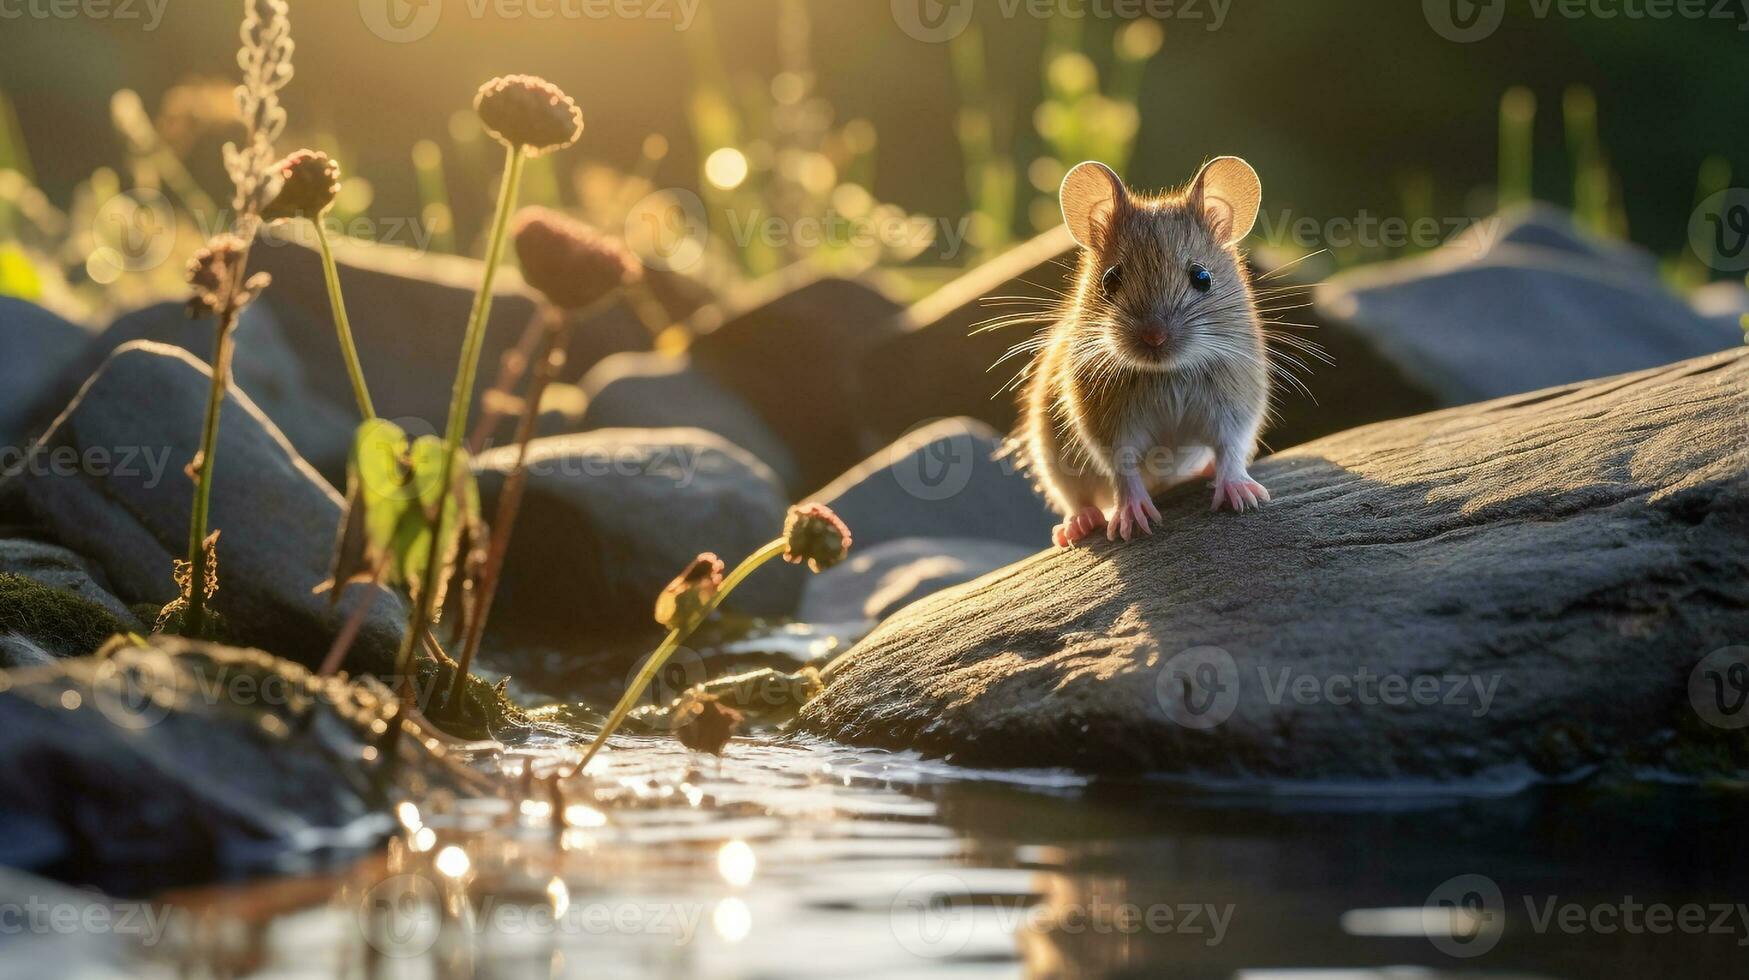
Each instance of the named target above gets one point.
<point>510,498</point>
<point>459,403</point>
<point>672,643</point>
<point>194,622</point>
<point>342,325</point>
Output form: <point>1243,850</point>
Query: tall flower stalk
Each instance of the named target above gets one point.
<point>308,184</point>
<point>218,273</point>
<point>812,535</point>
<point>530,116</point>
<point>575,269</point>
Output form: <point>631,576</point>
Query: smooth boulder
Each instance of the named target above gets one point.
<point>874,583</point>
<point>108,481</point>
<point>58,568</point>
<point>790,347</point>
<point>1529,588</point>
<point>1520,302</point>
<point>610,517</point>
<point>35,346</point>
<point>660,391</point>
<point>263,364</point>
<point>947,479</point>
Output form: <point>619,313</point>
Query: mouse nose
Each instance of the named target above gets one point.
<point>1152,334</point>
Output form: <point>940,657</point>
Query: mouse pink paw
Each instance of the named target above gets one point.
<point>1242,494</point>
<point>1133,514</point>
<point>1078,526</point>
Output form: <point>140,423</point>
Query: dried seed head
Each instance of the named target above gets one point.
<point>570,262</point>
<point>308,184</point>
<point>815,535</point>
<point>211,272</point>
<point>703,723</point>
<point>685,598</point>
<point>530,113</point>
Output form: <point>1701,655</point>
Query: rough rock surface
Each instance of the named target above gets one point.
<point>35,346</point>
<point>942,480</point>
<point>873,583</point>
<point>108,482</point>
<point>791,352</point>
<point>610,517</point>
<point>1576,551</point>
<point>264,365</point>
<point>658,391</point>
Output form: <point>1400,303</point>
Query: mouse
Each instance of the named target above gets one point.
<point>1156,372</point>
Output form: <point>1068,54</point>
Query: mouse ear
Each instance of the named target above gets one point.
<point>1229,195</point>
<point>1090,196</point>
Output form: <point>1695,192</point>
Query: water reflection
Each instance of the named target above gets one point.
<point>805,860</point>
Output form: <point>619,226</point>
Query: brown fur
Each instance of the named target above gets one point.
<point>1099,404</point>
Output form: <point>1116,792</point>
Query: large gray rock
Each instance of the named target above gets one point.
<point>264,365</point>
<point>183,762</point>
<point>659,391</point>
<point>874,583</point>
<point>942,480</point>
<point>1525,586</point>
<point>610,517</point>
<point>790,348</point>
<point>35,346</point>
<point>107,480</point>
<point>1515,305</point>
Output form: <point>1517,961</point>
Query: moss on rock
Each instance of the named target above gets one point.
<point>60,622</point>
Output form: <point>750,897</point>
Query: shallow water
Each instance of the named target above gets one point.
<point>802,859</point>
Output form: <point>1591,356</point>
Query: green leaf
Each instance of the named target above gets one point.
<point>415,533</point>
<point>377,496</point>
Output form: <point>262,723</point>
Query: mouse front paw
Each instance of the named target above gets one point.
<point>1077,526</point>
<point>1241,494</point>
<point>1134,513</point>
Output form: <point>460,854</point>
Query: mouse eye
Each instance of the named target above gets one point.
<point>1112,281</point>
<point>1200,278</point>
